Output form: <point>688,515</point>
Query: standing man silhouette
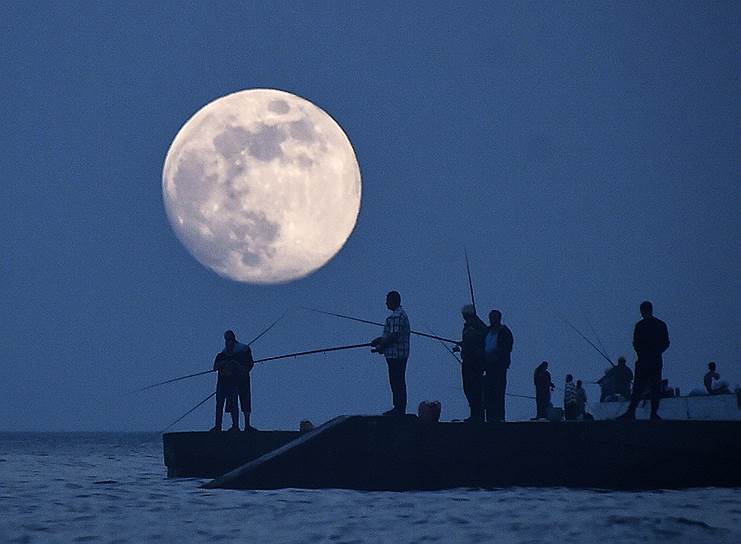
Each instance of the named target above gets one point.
<point>650,340</point>
<point>543,388</point>
<point>472,360</point>
<point>234,364</point>
<point>497,349</point>
<point>394,345</point>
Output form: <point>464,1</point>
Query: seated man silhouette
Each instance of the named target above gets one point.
<point>713,384</point>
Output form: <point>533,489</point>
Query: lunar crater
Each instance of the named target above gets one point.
<point>279,106</point>
<point>230,143</point>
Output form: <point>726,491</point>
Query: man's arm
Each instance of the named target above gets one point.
<point>636,339</point>
<point>245,358</point>
<point>665,337</point>
<point>219,361</point>
<point>480,324</point>
<point>505,340</point>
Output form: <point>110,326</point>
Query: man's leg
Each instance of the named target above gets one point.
<point>401,385</point>
<point>639,386</point>
<point>473,389</point>
<point>655,389</point>
<point>543,401</point>
<point>501,390</point>
<point>495,383</point>
<point>488,388</point>
<point>245,401</point>
<point>219,410</point>
<point>235,419</point>
<point>397,381</point>
<point>389,365</point>
<point>233,409</point>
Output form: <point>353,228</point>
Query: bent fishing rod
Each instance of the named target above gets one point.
<point>599,340</point>
<point>343,316</point>
<point>313,351</point>
<point>273,324</point>
<point>470,283</point>
<point>588,341</point>
<point>178,420</point>
<point>445,346</point>
<point>274,358</point>
<point>255,339</point>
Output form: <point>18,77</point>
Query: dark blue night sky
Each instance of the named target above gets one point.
<point>586,154</point>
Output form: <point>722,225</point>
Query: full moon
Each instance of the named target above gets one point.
<point>262,186</point>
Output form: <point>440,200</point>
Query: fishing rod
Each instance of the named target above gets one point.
<point>445,346</point>
<point>297,354</point>
<point>255,339</point>
<point>440,338</point>
<point>187,413</point>
<point>588,341</point>
<point>599,340</point>
<point>470,283</point>
<point>171,381</point>
<point>520,396</point>
<point>273,324</point>
<point>323,350</point>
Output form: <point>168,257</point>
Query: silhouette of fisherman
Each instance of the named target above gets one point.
<point>472,355</point>
<point>650,340</point>
<point>623,378</point>
<point>497,349</point>
<point>712,382</point>
<point>394,345</point>
<point>616,381</point>
<point>233,364</point>
<point>570,401</point>
<point>543,388</point>
<point>581,400</point>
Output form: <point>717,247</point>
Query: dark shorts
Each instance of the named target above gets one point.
<point>245,394</point>
<point>227,393</point>
<point>647,380</point>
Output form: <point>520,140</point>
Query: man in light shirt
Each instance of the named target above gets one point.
<point>394,345</point>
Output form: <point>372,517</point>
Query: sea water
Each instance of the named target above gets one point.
<point>98,487</point>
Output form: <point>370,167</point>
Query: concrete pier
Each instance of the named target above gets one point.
<point>382,453</point>
<point>208,455</point>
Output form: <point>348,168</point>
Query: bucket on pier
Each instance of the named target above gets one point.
<point>429,411</point>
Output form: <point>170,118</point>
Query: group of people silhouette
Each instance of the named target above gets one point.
<point>485,351</point>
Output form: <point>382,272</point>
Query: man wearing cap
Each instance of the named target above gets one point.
<point>472,356</point>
